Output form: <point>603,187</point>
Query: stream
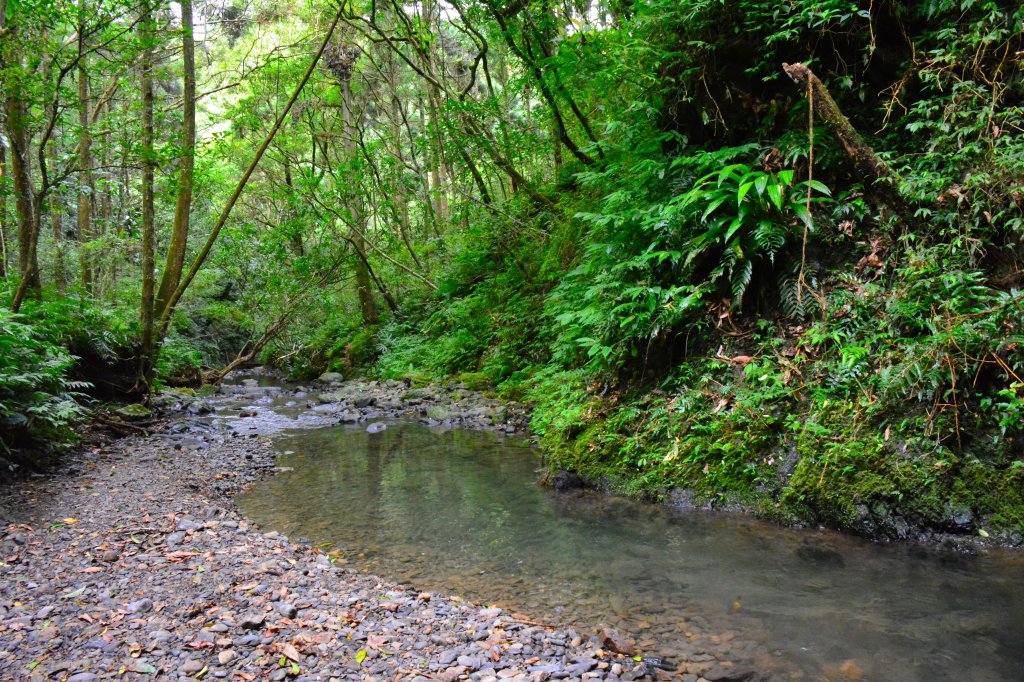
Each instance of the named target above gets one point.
<point>460,512</point>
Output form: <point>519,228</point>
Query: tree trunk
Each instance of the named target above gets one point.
<point>84,161</point>
<point>183,203</point>
<point>3,208</point>
<point>225,213</point>
<point>438,170</point>
<point>60,276</point>
<point>364,287</point>
<point>147,354</point>
<point>106,276</point>
<point>24,200</point>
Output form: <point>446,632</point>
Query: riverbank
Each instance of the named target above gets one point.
<point>134,561</point>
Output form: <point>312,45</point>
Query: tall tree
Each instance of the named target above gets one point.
<point>183,203</point>
<point>3,208</point>
<point>146,352</point>
<point>25,200</point>
<point>85,188</point>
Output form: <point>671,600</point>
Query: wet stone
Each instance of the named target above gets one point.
<point>191,666</point>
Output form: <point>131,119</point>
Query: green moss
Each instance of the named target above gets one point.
<point>475,381</point>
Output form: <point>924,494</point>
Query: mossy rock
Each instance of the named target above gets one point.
<point>475,381</point>
<point>134,411</point>
<point>439,412</point>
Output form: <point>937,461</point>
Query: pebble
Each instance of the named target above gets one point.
<point>140,606</point>
<point>191,666</point>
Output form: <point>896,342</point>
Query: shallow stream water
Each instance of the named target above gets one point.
<point>460,512</point>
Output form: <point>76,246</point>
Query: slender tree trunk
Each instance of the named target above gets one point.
<point>3,207</point>
<point>225,213</point>
<point>295,237</point>
<point>401,196</point>
<point>183,204</point>
<point>364,288</point>
<point>24,201</point>
<point>106,275</point>
<point>429,212</point>
<point>438,170</point>
<point>84,161</point>
<point>147,359</point>
<point>60,276</point>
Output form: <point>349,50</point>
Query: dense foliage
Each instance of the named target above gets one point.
<point>803,297</point>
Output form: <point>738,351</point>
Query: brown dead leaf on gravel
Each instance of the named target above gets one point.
<point>288,651</point>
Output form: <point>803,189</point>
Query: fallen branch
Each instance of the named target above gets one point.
<point>883,180</point>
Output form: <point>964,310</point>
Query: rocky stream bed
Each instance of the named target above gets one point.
<point>134,563</point>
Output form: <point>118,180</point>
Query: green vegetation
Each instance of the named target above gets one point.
<point>793,289</point>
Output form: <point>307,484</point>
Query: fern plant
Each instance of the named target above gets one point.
<point>747,217</point>
<point>38,403</point>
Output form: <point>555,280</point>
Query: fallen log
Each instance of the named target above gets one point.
<point>882,180</point>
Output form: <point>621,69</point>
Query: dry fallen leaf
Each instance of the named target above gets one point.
<point>290,652</point>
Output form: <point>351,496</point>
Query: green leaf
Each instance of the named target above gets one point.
<point>742,192</point>
<point>760,183</point>
<point>712,206</point>
<point>360,656</point>
<point>736,224</point>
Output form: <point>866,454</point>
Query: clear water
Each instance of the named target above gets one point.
<point>459,512</point>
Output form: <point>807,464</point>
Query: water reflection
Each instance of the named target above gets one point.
<point>460,512</point>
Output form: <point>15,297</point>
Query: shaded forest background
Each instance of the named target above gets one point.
<point>794,288</point>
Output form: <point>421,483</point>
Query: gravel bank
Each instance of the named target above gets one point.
<point>134,564</point>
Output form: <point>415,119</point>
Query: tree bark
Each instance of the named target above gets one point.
<point>84,161</point>
<point>147,351</point>
<point>364,287</point>
<point>183,203</point>
<point>3,207</point>
<point>438,170</point>
<point>24,200</point>
<point>60,276</point>
<point>105,276</point>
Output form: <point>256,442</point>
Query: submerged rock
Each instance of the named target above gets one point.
<point>567,480</point>
<point>376,427</point>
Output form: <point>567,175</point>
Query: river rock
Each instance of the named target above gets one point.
<point>252,621</point>
<point>376,427</point>
<point>612,640</point>
<point>134,411</point>
<point>141,606</point>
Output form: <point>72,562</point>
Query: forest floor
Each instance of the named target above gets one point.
<point>133,563</point>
